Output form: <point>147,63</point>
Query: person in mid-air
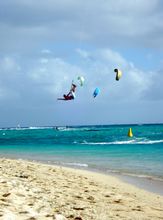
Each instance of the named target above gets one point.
<point>70,95</point>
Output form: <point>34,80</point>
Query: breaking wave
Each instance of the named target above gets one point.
<point>125,142</point>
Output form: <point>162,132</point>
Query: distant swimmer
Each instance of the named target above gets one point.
<point>70,95</point>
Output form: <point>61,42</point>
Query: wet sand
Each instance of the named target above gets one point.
<point>147,183</point>
<point>32,191</point>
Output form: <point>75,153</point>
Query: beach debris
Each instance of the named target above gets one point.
<point>23,212</point>
<point>78,218</point>
<point>118,200</point>
<point>118,74</point>
<point>70,216</point>
<point>130,134</point>
<point>137,208</point>
<point>22,175</point>
<point>78,197</point>
<point>107,195</point>
<point>78,208</point>
<point>91,198</point>
<point>32,218</point>
<point>6,194</point>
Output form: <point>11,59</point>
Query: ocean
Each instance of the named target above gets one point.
<point>105,148</point>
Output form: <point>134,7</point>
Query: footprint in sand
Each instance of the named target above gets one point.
<point>137,208</point>
<point>91,199</point>
<point>78,197</point>
<point>78,208</point>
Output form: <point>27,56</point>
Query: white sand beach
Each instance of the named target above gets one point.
<point>32,191</point>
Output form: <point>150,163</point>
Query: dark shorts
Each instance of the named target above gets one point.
<point>68,97</point>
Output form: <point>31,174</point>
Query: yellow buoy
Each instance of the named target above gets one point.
<point>130,134</point>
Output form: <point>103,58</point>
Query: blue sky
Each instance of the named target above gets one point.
<point>47,44</point>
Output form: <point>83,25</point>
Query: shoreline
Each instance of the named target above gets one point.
<point>34,190</point>
<point>145,183</point>
<point>148,183</point>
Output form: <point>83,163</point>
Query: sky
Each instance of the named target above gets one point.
<point>44,45</point>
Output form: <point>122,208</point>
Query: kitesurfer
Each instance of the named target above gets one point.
<point>70,95</point>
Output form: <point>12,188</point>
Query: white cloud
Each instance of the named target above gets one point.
<point>83,53</point>
<point>108,23</point>
<point>8,64</point>
<point>39,83</point>
<point>9,76</point>
<point>46,51</point>
<point>55,76</point>
<point>44,60</point>
<point>134,82</point>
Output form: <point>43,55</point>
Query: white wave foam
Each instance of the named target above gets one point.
<point>25,128</point>
<point>32,128</point>
<point>150,142</point>
<point>108,143</point>
<point>70,129</point>
<point>124,142</point>
<point>76,164</point>
<point>96,143</point>
<point>134,141</point>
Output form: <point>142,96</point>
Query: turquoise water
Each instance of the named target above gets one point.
<point>100,148</point>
